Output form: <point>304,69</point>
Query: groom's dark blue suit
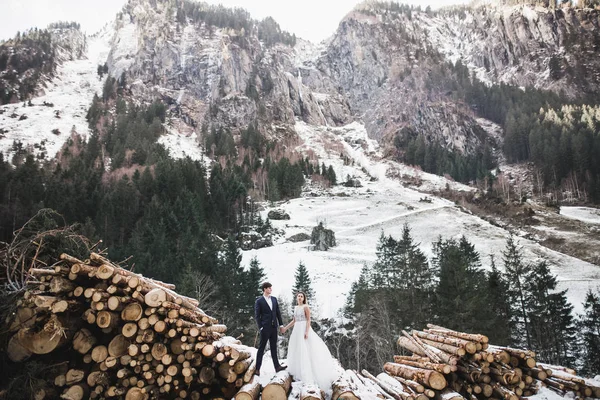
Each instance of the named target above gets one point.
<point>268,321</point>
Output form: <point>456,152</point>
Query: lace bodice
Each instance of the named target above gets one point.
<point>299,314</point>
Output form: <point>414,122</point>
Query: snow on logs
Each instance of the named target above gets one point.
<point>278,387</point>
<point>121,335</point>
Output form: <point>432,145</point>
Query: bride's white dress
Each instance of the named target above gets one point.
<point>309,360</point>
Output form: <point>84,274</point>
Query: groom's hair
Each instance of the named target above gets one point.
<point>265,285</point>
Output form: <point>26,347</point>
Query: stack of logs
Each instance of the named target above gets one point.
<point>454,365</point>
<point>122,335</point>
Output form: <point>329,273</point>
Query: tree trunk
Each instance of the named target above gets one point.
<point>250,391</point>
<point>279,387</point>
<point>426,377</point>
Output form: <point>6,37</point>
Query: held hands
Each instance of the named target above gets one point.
<point>282,329</point>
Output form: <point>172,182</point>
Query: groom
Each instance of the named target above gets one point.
<point>268,319</point>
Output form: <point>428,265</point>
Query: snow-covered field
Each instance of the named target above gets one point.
<point>70,94</point>
<point>358,216</point>
<point>584,214</point>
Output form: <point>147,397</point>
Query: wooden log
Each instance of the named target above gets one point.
<point>242,366</point>
<point>447,348</point>
<point>118,346</point>
<point>70,259</point>
<point>24,318</point>
<point>99,353</point>
<point>79,391</point>
<point>419,343</point>
<point>395,388</point>
<point>42,272</point>
<point>368,386</point>
<point>410,345</point>
<point>503,392</point>
<point>136,393</point>
<point>158,351</point>
<point>278,387</point>
<point>15,351</point>
<point>155,297</point>
<point>207,375</point>
<point>469,347</point>
<point>58,284</point>
<point>430,378</point>
<point>52,336</point>
<point>83,270</point>
<point>516,352</point>
<point>448,394</point>
<point>342,389</point>
<point>250,391</point>
<point>442,368</point>
<point>250,372</point>
<point>414,386</point>
<point>227,373</point>
<point>499,354</point>
<point>83,341</point>
<point>106,319</point>
<point>461,335</point>
<point>310,392</point>
<point>132,312</point>
<point>129,329</point>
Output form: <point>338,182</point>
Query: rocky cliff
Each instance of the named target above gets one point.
<point>214,73</point>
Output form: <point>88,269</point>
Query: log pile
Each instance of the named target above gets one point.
<point>122,335</point>
<point>453,365</point>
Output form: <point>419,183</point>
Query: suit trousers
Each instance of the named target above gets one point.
<point>267,335</point>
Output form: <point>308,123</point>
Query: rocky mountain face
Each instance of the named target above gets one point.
<point>388,61</point>
<point>29,61</point>
<point>220,76</point>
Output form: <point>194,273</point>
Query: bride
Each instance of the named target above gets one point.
<point>309,359</point>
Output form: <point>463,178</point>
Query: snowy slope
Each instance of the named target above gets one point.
<point>585,214</point>
<point>69,94</point>
<point>358,216</point>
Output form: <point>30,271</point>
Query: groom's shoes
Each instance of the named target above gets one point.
<point>280,368</point>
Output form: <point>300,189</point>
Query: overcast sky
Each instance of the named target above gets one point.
<point>314,20</point>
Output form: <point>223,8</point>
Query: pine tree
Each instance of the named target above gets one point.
<point>302,283</point>
<point>403,278</point>
<point>589,322</point>
<point>254,278</point>
<point>231,283</point>
<point>331,175</point>
<point>518,276</point>
<point>499,307</point>
<point>462,301</point>
<point>551,317</point>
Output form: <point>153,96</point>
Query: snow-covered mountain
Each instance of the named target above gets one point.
<point>370,80</point>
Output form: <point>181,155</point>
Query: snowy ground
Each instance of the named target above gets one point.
<point>70,92</point>
<point>358,216</point>
<point>584,214</point>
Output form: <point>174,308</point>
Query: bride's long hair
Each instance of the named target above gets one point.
<point>303,296</point>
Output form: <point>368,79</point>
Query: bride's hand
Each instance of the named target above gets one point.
<point>305,335</point>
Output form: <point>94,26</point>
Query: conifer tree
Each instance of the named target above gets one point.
<point>403,278</point>
<point>499,307</point>
<point>551,317</point>
<point>518,277</point>
<point>302,283</point>
<point>254,278</point>
<point>462,301</point>
<point>589,322</point>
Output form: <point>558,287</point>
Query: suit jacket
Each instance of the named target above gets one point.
<point>266,319</point>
